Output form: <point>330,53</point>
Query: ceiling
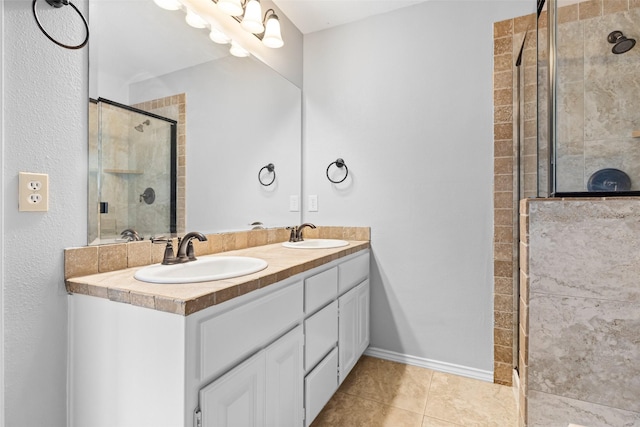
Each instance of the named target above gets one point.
<point>316,15</point>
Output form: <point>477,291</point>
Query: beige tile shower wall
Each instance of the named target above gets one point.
<point>598,93</point>
<point>508,38</point>
<point>174,107</point>
<point>88,260</point>
<point>114,140</point>
<point>583,318</point>
<point>503,331</point>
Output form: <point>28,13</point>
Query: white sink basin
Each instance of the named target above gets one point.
<point>201,270</point>
<point>316,244</point>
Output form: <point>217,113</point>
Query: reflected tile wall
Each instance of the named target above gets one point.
<point>598,93</point>
<point>582,323</point>
<point>174,107</point>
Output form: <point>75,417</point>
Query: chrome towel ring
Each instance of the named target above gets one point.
<point>58,4</point>
<point>271,169</point>
<point>340,164</point>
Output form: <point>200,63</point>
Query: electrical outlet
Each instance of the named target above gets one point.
<point>33,192</point>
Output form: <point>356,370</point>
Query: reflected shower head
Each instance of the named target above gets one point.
<point>140,127</point>
<point>620,42</point>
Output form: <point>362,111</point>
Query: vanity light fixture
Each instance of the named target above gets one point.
<point>272,37</point>
<point>252,18</point>
<point>168,4</point>
<point>231,7</point>
<point>195,20</point>
<point>218,36</point>
<point>249,15</point>
<point>237,50</point>
<point>247,12</point>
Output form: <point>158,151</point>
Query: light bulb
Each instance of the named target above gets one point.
<point>272,37</point>
<point>195,20</point>
<point>237,50</point>
<point>168,4</point>
<point>230,7</point>
<point>252,20</point>
<point>218,36</point>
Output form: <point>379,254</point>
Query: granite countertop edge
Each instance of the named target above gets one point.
<point>185,299</point>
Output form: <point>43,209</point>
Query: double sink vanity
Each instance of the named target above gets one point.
<point>268,347</point>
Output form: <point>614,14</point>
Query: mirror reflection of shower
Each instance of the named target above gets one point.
<point>131,150</point>
<point>140,127</point>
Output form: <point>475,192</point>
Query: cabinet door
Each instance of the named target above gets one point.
<point>347,332</point>
<point>353,325</point>
<point>284,380</point>
<point>363,317</point>
<point>236,399</point>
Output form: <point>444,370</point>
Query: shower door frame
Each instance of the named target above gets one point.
<point>173,170</point>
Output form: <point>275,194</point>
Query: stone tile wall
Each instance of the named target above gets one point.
<point>175,107</point>
<point>509,36</point>
<point>598,93</point>
<point>580,317</point>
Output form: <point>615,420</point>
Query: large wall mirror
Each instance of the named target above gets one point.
<point>181,131</point>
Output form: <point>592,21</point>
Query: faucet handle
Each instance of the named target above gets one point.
<point>293,236</point>
<point>169,256</point>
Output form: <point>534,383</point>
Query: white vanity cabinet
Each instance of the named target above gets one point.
<point>270,358</point>
<point>265,390</point>
<point>354,327</point>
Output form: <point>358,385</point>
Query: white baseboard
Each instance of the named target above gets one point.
<point>448,368</point>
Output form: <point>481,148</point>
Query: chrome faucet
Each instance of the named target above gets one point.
<point>185,246</point>
<point>296,231</point>
<point>130,235</point>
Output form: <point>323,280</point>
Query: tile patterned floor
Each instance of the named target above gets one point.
<point>380,393</point>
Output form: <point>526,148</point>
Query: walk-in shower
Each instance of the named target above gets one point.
<point>588,101</point>
<point>576,97</point>
<point>132,154</point>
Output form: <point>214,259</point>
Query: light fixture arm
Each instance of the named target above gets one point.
<point>273,12</point>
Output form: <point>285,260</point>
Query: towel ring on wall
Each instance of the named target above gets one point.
<point>340,164</point>
<point>272,169</point>
<point>58,4</point>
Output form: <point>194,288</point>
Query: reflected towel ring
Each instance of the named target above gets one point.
<point>272,169</point>
<point>58,4</point>
<point>340,164</point>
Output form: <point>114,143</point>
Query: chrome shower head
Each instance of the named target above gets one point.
<point>621,43</point>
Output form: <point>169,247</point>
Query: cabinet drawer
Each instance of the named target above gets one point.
<point>352,272</point>
<point>320,385</point>
<point>320,289</point>
<point>228,337</point>
<point>321,334</point>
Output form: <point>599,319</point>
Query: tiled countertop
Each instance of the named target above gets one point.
<point>185,299</point>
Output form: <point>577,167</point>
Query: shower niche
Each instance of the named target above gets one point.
<point>589,67</point>
<point>132,173</point>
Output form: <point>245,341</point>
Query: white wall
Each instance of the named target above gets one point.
<point>240,116</point>
<point>406,99</point>
<point>45,130</point>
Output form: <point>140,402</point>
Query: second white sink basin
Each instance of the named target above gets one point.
<point>316,244</point>
<point>201,270</point>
